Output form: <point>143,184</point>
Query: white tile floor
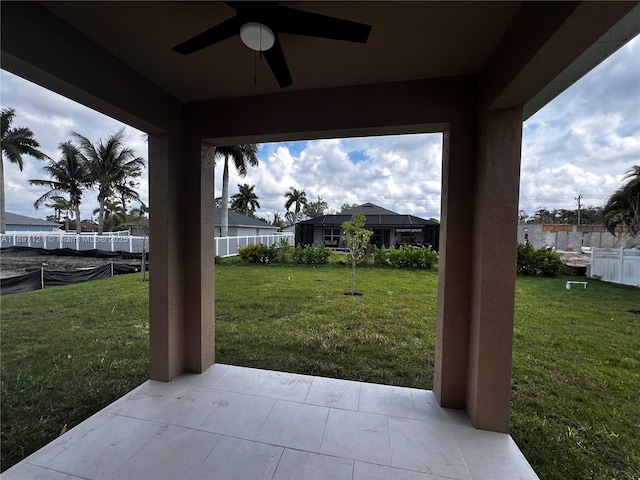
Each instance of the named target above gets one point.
<point>241,423</point>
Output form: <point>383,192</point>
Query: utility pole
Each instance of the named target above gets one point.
<point>579,200</point>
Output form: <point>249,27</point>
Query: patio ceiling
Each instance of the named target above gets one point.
<point>408,41</point>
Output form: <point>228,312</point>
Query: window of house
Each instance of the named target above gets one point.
<point>331,236</point>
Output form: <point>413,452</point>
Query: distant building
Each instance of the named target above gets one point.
<point>241,225</point>
<point>572,238</point>
<point>389,228</point>
<point>22,223</point>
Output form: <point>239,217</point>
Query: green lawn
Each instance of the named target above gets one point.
<point>69,351</point>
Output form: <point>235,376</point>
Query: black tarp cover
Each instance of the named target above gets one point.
<point>35,280</point>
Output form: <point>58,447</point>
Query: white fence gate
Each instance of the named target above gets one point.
<point>616,265</point>
<point>228,246</point>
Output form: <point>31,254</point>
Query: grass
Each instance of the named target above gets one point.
<point>576,382</point>
<point>298,319</point>
<point>69,351</point>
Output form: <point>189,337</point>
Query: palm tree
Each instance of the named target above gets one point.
<point>114,214</point>
<point>68,175</point>
<point>241,154</point>
<point>623,207</point>
<point>111,164</point>
<point>245,200</point>
<point>60,204</point>
<point>297,198</point>
<point>15,142</point>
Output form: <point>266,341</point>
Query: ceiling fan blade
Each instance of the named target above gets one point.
<point>299,22</point>
<point>216,34</point>
<point>278,64</point>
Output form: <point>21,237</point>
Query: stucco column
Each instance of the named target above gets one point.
<point>199,255</point>
<point>454,265</point>
<point>166,281</point>
<point>495,207</point>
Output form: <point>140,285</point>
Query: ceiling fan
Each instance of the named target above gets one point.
<point>260,23</point>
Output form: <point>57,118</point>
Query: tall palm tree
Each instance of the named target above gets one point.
<point>623,206</point>
<point>245,200</point>
<point>15,142</point>
<point>60,204</point>
<point>111,164</point>
<point>241,155</point>
<point>114,215</point>
<point>298,198</point>
<point>68,175</point>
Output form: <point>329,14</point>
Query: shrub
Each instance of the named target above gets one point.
<point>250,253</point>
<point>268,254</point>
<point>406,256</point>
<point>280,252</point>
<point>541,262</point>
<point>380,256</point>
<point>316,254</point>
<point>425,257</point>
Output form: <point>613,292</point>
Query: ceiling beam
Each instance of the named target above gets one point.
<point>541,42</point>
<point>41,48</point>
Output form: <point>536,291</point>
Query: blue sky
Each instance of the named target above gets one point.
<point>583,142</point>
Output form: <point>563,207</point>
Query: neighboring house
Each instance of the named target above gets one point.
<point>138,229</point>
<point>572,238</point>
<point>22,223</point>
<point>241,225</point>
<point>389,228</point>
<point>87,227</point>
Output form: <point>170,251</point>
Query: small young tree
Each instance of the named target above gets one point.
<point>357,239</point>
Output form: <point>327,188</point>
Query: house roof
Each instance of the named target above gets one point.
<point>369,209</point>
<point>376,217</point>
<point>239,220</point>
<point>15,219</point>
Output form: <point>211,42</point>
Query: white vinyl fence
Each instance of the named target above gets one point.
<point>225,246</point>
<point>228,246</point>
<point>110,242</point>
<point>616,265</point>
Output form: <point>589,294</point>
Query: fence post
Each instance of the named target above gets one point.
<point>621,265</point>
<point>42,277</point>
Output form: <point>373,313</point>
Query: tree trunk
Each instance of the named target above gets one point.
<point>224,221</point>
<point>353,276</point>
<point>77,213</point>
<point>3,225</point>
<point>101,217</point>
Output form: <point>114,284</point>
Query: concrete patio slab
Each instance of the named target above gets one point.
<point>242,423</point>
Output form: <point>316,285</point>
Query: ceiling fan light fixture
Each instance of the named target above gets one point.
<point>257,36</point>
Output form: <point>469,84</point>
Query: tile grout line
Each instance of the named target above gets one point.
<point>264,421</point>
<point>275,470</point>
<point>324,430</point>
<point>460,450</point>
<point>389,437</point>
